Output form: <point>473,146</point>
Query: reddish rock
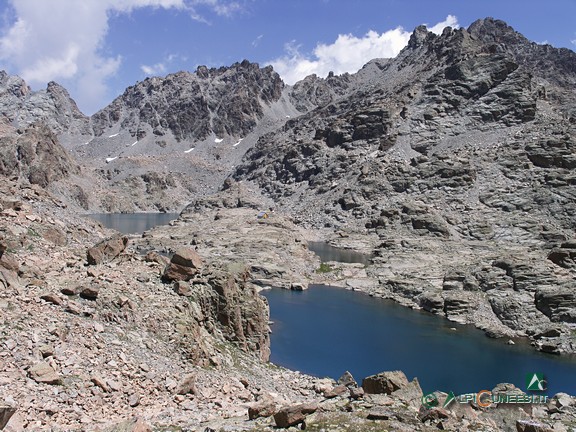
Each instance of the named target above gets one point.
<point>106,250</point>
<point>339,390</point>
<point>264,408</point>
<point>42,372</point>
<point>187,257</point>
<point>183,266</point>
<point>52,298</point>
<point>293,415</point>
<point>182,288</point>
<point>90,292</point>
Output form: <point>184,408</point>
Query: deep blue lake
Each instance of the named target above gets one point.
<point>133,223</point>
<point>325,331</point>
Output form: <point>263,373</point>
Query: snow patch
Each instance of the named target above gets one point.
<point>239,141</point>
<point>218,140</point>
<point>108,160</point>
<point>188,151</point>
<point>112,136</point>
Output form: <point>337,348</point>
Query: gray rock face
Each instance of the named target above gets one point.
<point>224,101</point>
<point>53,106</point>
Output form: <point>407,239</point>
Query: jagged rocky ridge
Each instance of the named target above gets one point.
<point>454,163</point>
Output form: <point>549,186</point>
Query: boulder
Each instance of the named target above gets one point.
<point>90,292</point>
<point>411,394</point>
<point>106,250</point>
<point>188,258</point>
<point>52,298</point>
<point>187,385</point>
<point>42,372</point>
<point>294,414</point>
<point>183,266</point>
<point>263,408</point>
<point>339,390</point>
<point>347,380</point>
<point>385,382</point>
<point>356,392</point>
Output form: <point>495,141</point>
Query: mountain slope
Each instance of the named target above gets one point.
<point>454,164</point>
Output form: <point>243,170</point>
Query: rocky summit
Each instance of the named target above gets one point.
<point>451,166</point>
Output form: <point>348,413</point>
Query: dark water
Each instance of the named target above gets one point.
<point>330,253</point>
<point>133,223</point>
<point>325,331</point>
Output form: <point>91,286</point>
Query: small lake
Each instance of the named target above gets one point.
<point>325,331</point>
<point>133,223</point>
<point>327,253</point>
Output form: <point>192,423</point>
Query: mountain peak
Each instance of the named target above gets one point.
<point>491,30</point>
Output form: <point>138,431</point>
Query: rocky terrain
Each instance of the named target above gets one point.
<point>451,165</point>
<point>454,167</point>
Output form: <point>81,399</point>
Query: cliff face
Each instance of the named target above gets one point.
<point>34,155</point>
<point>191,106</point>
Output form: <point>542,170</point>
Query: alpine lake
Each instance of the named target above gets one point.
<point>325,331</point>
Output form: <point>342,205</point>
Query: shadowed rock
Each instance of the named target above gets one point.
<point>385,382</point>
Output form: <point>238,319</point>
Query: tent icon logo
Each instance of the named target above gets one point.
<point>536,382</point>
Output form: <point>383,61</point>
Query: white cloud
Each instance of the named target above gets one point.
<point>347,53</point>
<point>156,69</point>
<point>256,41</point>
<point>450,21</point>
<point>161,68</point>
<point>63,40</point>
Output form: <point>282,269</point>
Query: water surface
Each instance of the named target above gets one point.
<point>133,223</point>
<point>327,252</point>
<point>325,331</point>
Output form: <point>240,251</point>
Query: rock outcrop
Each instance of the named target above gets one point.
<point>191,106</point>
<point>53,106</point>
<point>34,155</point>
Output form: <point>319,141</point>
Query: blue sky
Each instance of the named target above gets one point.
<point>96,48</point>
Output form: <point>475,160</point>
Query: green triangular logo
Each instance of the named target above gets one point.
<point>535,382</point>
<point>449,399</point>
